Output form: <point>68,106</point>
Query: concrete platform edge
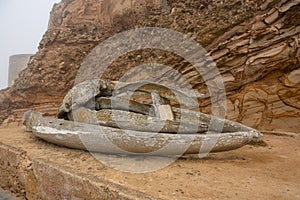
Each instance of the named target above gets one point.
<point>41,179</point>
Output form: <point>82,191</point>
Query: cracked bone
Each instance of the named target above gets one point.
<point>134,121</point>
<point>102,139</point>
<point>161,109</point>
<point>82,93</point>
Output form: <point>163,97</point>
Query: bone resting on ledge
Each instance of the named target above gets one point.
<point>100,122</point>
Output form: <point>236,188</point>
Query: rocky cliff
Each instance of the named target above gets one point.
<point>255,45</point>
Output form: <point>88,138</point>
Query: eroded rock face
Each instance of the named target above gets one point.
<point>255,45</point>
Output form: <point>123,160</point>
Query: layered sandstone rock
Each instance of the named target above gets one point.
<point>255,45</point>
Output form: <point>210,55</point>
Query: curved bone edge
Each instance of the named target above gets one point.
<point>75,98</point>
<point>226,125</point>
<point>82,93</point>
<point>30,119</point>
<point>92,138</point>
<point>134,121</point>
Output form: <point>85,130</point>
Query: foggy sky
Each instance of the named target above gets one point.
<point>22,25</point>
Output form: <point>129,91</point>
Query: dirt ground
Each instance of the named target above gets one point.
<point>271,172</point>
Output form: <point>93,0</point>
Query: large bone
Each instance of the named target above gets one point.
<point>134,121</point>
<point>184,116</point>
<point>123,104</point>
<point>84,92</point>
<point>105,139</point>
<point>168,92</point>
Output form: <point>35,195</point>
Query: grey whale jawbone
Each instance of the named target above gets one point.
<point>102,139</point>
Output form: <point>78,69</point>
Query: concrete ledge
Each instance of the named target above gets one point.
<point>41,179</point>
<point>13,163</point>
<point>34,169</point>
<point>60,182</point>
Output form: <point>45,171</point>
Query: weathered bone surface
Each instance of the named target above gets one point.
<point>161,109</point>
<point>135,121</point>
<point>83,92</point>
<point>139,118</point>
<point>167,92</point>
<point>111,140</point>
<point>104,122</point>
<point>123,104</point>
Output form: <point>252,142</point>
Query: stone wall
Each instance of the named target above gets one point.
<point>254,43</point>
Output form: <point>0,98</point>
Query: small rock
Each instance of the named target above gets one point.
<point>180,190</point>
<point>190,173</point>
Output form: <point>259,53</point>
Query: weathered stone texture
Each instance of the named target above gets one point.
<point>13,166</point>
<point>255,45</point>
<point>30,177</point>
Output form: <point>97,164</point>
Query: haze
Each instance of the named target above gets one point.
<point>23,24</point>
